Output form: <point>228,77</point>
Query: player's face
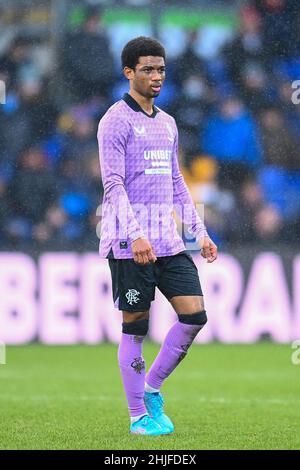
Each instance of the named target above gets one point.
<point>148,76</point>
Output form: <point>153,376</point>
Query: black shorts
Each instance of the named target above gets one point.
<point>134,284</point>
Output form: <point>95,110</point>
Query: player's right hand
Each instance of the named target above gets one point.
<point>209,249</point>
<point>143,252</point>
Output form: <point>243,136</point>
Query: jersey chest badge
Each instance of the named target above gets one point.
<point>139,131</point>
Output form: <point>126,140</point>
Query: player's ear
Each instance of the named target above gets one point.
<point>128,72</point>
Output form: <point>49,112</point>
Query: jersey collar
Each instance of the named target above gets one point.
<point>136,107</point>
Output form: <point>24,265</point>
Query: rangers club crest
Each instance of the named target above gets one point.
<point>138,365</point>
<point>132,296</point>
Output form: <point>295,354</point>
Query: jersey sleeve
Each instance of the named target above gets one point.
<point>112,140</point>
<point>182,200</point>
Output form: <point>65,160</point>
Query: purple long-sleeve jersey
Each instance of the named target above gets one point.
<point>142,182</point>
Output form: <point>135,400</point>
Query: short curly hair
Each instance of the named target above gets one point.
<point>138,47</point>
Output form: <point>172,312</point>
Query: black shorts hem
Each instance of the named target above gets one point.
<point>184,295</point>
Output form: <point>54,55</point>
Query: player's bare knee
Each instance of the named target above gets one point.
<point>199,304</point>
<point>129,317</point>
<point>188,304</point>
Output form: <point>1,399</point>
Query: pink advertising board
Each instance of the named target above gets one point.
<point>65,298</point>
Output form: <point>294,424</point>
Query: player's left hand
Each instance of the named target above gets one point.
<point>209,250</point>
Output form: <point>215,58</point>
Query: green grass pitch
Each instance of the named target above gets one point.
<point>220,397</point>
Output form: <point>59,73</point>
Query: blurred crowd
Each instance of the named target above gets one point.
<point>239,130</point>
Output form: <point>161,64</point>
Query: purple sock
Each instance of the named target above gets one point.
<point>173,350</point>
<point>132,368</point>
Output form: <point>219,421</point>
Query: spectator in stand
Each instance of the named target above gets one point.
<point>247,48</point>
<point>231,136</point>
<point>189,63</point>
<point>28,120</point>
<point>256,89</point>
<point>202,182</point>
<point>87,62</point>
<point>33,188</point>
<point>280,177</point>
<point>268,224</point>
<point>251,218</point>
<point>280,20</point>
<point>51,229</point>
<point>279,145</point>
<point>189,110</point>
<point>15,61</point>
<point>8,32</point>
<point>81,139</point>
<point>240,220</point>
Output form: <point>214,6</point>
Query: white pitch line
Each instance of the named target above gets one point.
<point>218,400</point>
<point>53,398</point>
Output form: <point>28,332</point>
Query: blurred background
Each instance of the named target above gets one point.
<point>230,69</point>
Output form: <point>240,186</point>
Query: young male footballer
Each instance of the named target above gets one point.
<point>138,145</point>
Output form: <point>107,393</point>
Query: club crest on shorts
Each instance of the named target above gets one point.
<point>132,296</point>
